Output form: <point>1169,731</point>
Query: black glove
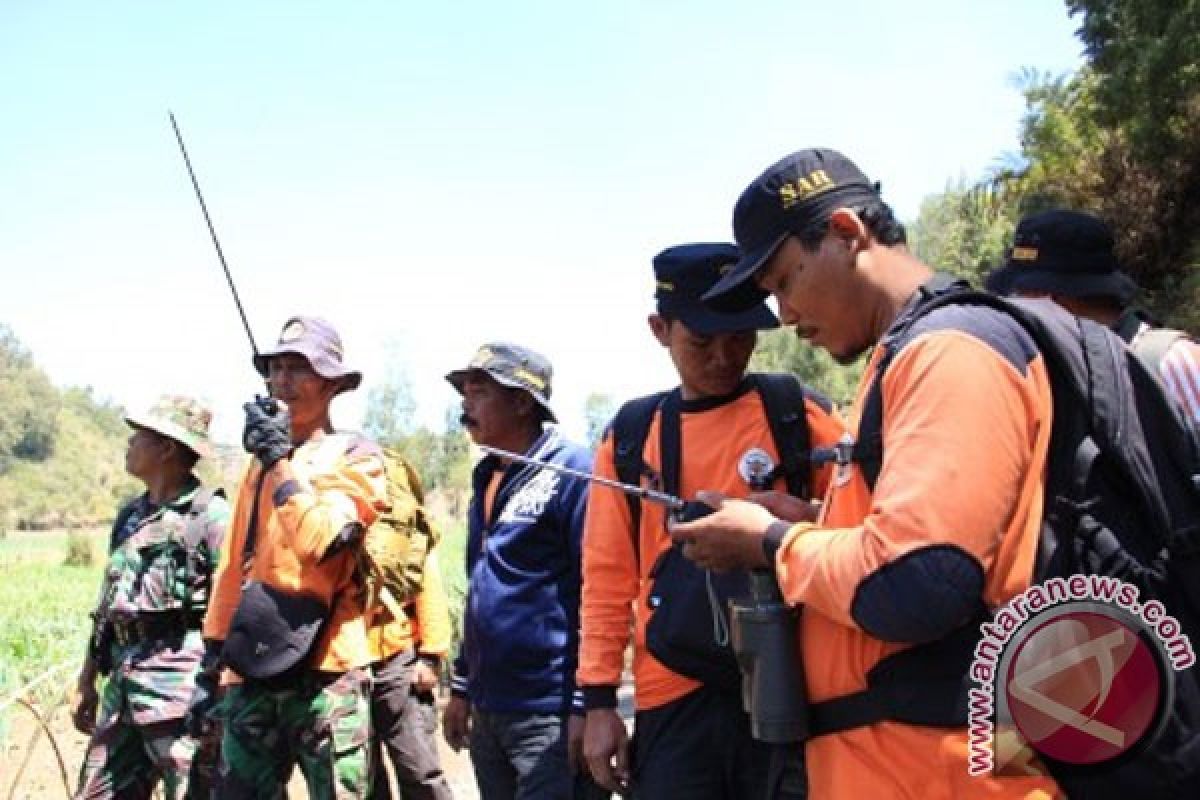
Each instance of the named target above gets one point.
<point>198,721</point>
<point>268,432</point>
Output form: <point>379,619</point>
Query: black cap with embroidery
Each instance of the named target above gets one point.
<point>791,195</point>
<point>684,273</point>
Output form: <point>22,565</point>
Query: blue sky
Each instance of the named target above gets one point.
<point>433,176</point>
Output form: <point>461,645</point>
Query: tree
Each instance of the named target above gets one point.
<point>28,405</point>
<point>1145,55</point>
<point>783,351</point>
<point>598,410</point>
<point>1121,139</point>
<point>963,230</point>
<point>391,407</point>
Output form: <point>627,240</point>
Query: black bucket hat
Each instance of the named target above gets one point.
<point>513,366</point>
<point>1063,252</point>
<point>316,340</point>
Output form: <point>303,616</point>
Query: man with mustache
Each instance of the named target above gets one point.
<point>514,703</point>
<point>692,737</point>
<point>287,620</point>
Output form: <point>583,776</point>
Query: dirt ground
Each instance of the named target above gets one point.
<point>53,763</point>
<point>42,777</point>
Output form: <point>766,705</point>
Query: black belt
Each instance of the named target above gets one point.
<point>155,626</point>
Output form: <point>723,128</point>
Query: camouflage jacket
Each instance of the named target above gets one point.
<point>162,560</point>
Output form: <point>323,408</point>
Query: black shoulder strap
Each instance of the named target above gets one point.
<point>630,427</point>
<point>252,528</point>
<point>784,403</point>
<point>938,291</point>
<point>670,441</point>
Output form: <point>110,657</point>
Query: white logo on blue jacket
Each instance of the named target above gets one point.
<point>527,504</point>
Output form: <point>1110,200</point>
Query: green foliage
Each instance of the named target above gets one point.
<point>44,608</point>
<point>61,453</point>
<point>1146,56</point>
<point>964,230</point>
<point>453,561</point>
<point>443,460</point>
<point>390,409</point>
<point>28,405</point>
<point>81,549</point>
<point>782,351</point>
<point>1120,139</point>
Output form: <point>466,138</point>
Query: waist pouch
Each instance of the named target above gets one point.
<point>689,629</point>
<point>273,634</point>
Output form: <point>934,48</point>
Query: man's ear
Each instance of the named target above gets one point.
<point>848,226</point>
<point>526,405</point>
<point>661,328</point>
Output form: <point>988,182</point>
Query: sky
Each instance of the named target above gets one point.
<point>433,176</point>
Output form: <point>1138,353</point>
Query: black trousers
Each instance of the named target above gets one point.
<point>403,724</point>
<point>699,747</point>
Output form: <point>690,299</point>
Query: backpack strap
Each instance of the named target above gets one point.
<point>670,441</point>
<point>630,427</point>
<point>938,291</point>
<point>784,403</point>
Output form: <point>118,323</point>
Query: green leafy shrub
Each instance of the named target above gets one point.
<point>81,551</point>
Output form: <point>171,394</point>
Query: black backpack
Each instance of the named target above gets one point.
<point>680,634</point>
<point>1121,499</point>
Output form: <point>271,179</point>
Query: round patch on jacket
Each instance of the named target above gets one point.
<point>756,467</point>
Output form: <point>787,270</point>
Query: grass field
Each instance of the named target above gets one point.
<point>44,609</point>
<point>44,605</point>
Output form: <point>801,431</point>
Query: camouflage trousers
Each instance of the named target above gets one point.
<point>127,761</point>
<point>322,724</point>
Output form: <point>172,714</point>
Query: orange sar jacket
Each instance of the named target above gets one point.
<point>339,480</point>
<point>953,520</point>
<point>616,564</point>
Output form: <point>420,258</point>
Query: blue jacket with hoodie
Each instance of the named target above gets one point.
<point>520,641</point>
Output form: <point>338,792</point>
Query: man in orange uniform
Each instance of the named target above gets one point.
<point>952,523</point>
<point>407,655</point>
<point>286,617</point>
<point>691,738</point>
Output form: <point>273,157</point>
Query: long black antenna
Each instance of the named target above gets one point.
<point>213,233</point>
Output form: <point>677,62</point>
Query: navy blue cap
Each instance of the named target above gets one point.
<point>684,273</point>
<point>791,195</point>
<point>1063,252</point>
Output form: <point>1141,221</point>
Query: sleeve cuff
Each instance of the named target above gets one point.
<point>599,697</point>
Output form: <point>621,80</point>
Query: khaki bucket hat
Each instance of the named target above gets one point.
<point>178,417</point>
